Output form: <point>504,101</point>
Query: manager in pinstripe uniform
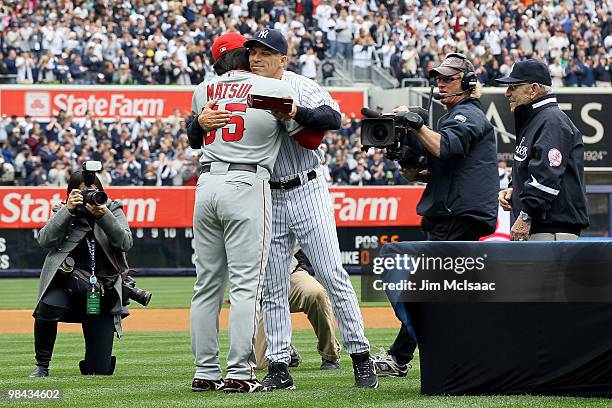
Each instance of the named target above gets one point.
<point>301,210</point>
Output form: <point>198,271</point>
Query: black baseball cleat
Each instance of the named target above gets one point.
<point>199,385</point>
<point>244,386</point>
<point>296,359</point>
<point>329,364</point>
<point>363,368</point>
<point>40,372</point>
<point>278,378</point>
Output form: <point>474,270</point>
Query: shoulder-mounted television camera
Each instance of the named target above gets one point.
<point>395,133</point>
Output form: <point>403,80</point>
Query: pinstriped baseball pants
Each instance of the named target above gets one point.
<point>306,213</point>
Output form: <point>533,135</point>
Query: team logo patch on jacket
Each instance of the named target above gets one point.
<point>554,157</point>
<point>520,153</point>
<point>460,118</point>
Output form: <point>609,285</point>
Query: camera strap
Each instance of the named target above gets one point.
<point>91,246</point>
<point>93,297</point>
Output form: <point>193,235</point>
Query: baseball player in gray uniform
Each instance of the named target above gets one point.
<point>302,209</point>
<point>232,216</point>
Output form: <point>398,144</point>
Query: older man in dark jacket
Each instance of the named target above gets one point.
<point>547,196</point>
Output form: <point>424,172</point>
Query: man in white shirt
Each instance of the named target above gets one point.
<point>557,42</point>
<point>309,63</point>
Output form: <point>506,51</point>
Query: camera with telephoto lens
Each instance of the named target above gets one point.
<point>91,195</point>
<point>139,295</point>
<point>395,133</point>
<point>94,196</point>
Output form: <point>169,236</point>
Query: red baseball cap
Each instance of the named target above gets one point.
<point>226,43</point>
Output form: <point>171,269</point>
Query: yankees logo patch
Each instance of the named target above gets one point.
<point>460,118</point>
<point>263,34</point>
<point>520,152</point>
<point>554,157</point>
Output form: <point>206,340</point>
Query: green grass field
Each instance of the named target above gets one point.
<point>155,369</point>
<point>167,292</point>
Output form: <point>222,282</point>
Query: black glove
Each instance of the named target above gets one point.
<point>411,119</point>
<point>423,113</point>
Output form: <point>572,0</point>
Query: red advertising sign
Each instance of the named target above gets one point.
<point>106,102</point>
<point>30,207</point>
<point>42,103</point>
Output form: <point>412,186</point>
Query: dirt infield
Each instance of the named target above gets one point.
<point>152,320</point>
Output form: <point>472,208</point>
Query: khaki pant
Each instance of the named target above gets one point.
<point>306,295</point>
<point>559,236</point>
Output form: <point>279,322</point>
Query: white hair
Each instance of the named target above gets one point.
<point>547,90</point>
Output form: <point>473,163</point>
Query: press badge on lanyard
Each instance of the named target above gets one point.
<point>93,296</point>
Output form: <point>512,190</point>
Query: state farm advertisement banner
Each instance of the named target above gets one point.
<point>173,207</point>
<point>106,102</point>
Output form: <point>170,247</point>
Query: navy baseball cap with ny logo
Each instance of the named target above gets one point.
<point>270,38</point>
<point>528,71</point>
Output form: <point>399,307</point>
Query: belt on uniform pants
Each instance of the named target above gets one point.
<point>233,167</point>
<point>293,183</point>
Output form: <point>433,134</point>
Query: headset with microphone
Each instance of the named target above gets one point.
<point>437,96</point>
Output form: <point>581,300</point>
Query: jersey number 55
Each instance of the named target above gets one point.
<point>236,120</point>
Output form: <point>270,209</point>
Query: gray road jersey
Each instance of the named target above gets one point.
<point>253,136</point>
<point>293,158</point>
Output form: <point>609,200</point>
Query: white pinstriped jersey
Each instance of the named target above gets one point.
<point>292,157</point>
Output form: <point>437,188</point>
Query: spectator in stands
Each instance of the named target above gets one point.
<point>165,170</point>
<point>319,46</point>
<point>37,177</point>
<point>360,175</point>
<point>11,62</point>
<point>25,64</point>
<point>198,70</point>
<point>4,71</point>
<point>571,74</point>
<point>7,173</point>
<point>124,76</point>
<point>309,64</point>
<point>120,176</point>
<point>133,168</point>
<point>150,175</point>
<point>78,71</point>
<point>602,73</point>
<point>45,67</point>
<point>59,174</point>
<point>344,35</point>
<point>557,72</point>
<point>339,170</point>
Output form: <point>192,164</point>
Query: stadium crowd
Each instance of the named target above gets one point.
<point>163,42</point>
<point>168,42</point>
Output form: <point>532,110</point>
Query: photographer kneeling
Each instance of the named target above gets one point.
<point>460,200</point>
<point>84,276</point>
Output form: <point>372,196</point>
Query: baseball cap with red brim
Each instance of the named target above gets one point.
<point>226,43</point>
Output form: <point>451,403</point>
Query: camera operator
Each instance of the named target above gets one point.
<point>84,276</point>
<point>460,200</point>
